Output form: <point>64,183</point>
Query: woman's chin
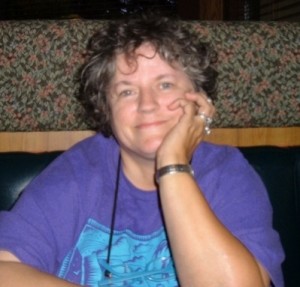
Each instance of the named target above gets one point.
<point>150,149</point>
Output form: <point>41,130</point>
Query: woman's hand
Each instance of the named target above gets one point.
<point>182,140</point>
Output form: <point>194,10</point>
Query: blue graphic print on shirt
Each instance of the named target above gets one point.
<point>135,260</point>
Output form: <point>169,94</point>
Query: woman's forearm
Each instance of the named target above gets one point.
<point>205,252</point>
<point>14,274</point>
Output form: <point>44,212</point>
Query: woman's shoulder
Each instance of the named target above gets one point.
<point>94,155</point>
<point>92,151</point>
<point>219,160</point>
<point>215,153</point>
<point>95,144</point>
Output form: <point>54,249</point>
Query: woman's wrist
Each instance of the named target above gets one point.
<point>169,159</point>
<point>172,169</point>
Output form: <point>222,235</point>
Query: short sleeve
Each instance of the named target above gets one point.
<point>42,220</point>
<point>239,198</point>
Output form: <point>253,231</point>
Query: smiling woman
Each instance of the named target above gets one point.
<point>146,200</point>
<point>194,64</point>
<point>142,102</point>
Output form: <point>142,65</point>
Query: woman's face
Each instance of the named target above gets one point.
<point>140,94</point>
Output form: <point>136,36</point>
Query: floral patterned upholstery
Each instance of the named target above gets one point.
<point>259,66</point>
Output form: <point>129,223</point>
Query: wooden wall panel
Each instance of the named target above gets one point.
<point>200,9</point>
<point>51,141</point>
<point>211,10</point>
<point>287,10</point>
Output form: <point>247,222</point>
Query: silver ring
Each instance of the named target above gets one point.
<point>209,100</point>
<point>207,121</point>
<point>207,130</point>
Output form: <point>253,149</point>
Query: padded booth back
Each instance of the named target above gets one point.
<point>258,65</point>
<point>17,170</point>
<point>279,169</point>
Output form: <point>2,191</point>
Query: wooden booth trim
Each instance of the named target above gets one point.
<point>62,140</point>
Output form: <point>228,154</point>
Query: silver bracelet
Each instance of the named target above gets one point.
<point>173,168</point>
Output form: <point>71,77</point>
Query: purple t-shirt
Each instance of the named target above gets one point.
<point>61,224</point>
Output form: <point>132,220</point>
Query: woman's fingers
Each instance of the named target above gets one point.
<point>205,109</point>
<point>193,124</point>
<point>204,104</point>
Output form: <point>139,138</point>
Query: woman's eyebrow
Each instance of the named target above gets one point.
<point>164,76</point>
<point>128,83</point>
<point>121,83</point>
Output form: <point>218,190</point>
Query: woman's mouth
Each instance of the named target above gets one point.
<point>148,125</point>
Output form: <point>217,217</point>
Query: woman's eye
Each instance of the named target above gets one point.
<point>125,93</point>
<point>166,86</point>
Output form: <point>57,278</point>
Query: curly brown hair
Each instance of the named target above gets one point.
<point>171,39</point>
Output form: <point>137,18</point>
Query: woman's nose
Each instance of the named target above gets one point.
<point>147,100</point>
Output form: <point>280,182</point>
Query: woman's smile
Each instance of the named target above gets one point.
<point>141,93</point>
<point>148,125</point>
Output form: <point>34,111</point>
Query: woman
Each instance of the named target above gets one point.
<point>148,202</point>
